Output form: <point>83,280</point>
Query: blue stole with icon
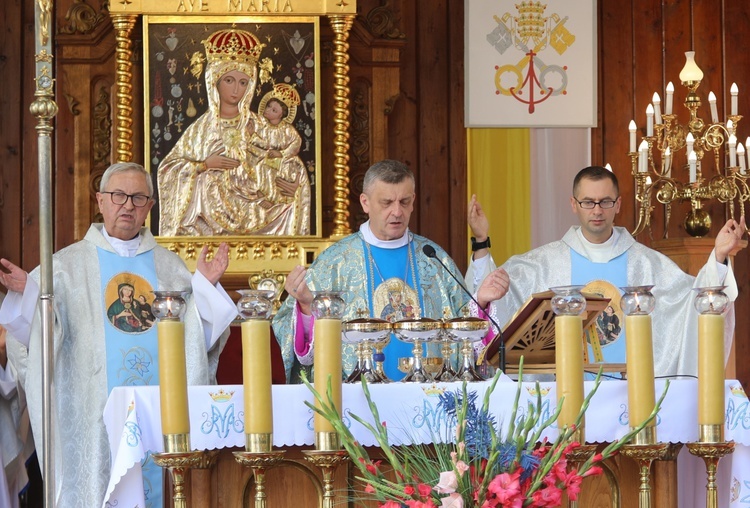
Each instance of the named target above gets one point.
<point>615,272</point>
<point>392,263</point>
<point>130,336</point>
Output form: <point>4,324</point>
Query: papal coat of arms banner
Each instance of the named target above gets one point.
<point>530,63</point>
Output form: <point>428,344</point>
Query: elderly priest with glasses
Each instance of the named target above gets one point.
<point>102,335</point>
<point>604,258</point>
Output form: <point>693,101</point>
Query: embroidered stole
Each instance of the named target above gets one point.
<point>607,342</point>
<point>394,293</point>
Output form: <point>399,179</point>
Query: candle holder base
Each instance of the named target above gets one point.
<point>576,457</point>
<point>711,453</point>
<point>644,454</point>
<point>259,462</point>
<point>178,464</point>
<point>327,461</point>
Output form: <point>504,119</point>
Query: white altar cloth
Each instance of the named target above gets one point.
<point>410,410</point>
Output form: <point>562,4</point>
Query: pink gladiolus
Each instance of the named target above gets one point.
<point>424,490</point>
<point>369,489</point>
<point>594,471</point>
<point>506,488</point>
<point>573,486</point>
<point>453,501</point>
<point>390,504</point>
<point>409,490</point>
<point>547,497</point>
<point>461,467</point>
<point>448,483</point>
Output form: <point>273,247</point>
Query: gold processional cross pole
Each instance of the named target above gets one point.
<point>44,109</point>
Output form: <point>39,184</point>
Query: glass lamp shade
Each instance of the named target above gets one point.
<point>711,300</point>
<point>568,300</point>
<point>169,305</point>
<point>691,71</point>
<point>637,300</point>
<point>255,303</point>
<point>328,304</point>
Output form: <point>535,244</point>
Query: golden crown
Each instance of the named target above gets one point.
<point>433,390</point>
<point>286,94</point>
<point>531,8</point>
<point>233,45</point>
<point>395,286</point>
<point>221,395</point>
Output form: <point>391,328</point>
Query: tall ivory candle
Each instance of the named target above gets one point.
<point>256,376</point>
<point>327,364</point>
<point>172,377</point>
<point>710,369</point>
<point>640,362</point>
<point>569,368</point>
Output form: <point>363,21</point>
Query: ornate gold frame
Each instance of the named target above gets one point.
<point>249,256</point>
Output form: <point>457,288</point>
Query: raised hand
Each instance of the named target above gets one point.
<point>729,238</point>
<point>493,287</point>
<point>214,269</point>
<point>297,288</point>
<point>15,278</point>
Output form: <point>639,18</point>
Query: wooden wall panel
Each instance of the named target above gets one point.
<point>11,120</point>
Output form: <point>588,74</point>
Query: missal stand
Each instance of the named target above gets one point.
<point>531,333</point>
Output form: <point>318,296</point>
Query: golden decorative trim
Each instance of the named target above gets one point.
<point>81,18</point>
<point>341,25</point>
<point>45,18</point>
<point>123,24</point>
<point>43,56</point>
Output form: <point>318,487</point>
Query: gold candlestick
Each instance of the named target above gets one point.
<point>711,453</point>
<point>178,459</point>
<point>577,457</point>
<point>644,453</point>
<point>327,461</point>
<point>259,462</point>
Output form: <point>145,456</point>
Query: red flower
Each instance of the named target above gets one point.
<point>409,490</point>
<point>506,488</point>
<point>390,504</point>
<point>547,497</point>
<point>369,489</point>
<point>424,490</point>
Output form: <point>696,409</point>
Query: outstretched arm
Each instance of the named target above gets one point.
<point>214,269</point>
<point>480,226</point>
<point>729,238</point>
<point>15,278</point>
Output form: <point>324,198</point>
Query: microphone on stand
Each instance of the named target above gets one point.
<point>429,251</point>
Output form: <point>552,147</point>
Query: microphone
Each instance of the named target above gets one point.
<point>429,251</point>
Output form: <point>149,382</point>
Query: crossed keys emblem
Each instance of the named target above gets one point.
<point>530,81</point>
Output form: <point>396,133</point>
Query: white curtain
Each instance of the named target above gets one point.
<point>556,156</point>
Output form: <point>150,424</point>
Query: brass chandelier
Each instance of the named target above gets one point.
<point>694,178</point>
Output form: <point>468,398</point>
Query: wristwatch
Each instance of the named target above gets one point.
<point>475,246</point>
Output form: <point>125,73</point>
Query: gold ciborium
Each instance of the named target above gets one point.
<point>417,332</point>
<point>466,331</point>
<point>431,365</point>
<point>366,333</point>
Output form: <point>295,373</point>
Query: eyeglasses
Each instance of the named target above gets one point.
<point>604,204</point>
<point>120,198</point>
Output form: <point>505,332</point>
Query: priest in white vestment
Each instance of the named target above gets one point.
<point>16,444</point>
<point>102,336</point>
<point>383,272</point>
<point>604,258</point>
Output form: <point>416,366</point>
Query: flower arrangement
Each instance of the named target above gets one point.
<point>481,467</point>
